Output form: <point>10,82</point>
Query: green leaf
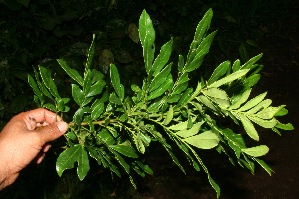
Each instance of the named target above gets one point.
<point>190,132</point>
<point>162,89</point>
<point>204,100</point>
<point>122,162</point>
<point>287,126</point>
<point>105,136</point>
<point>269,112</point>
<point>217,94</point>
<point>263,104</point>
<point>96,89</point>
<point>118,87</point>
<point>253,102</point>
<point>71,72</point>
<point>147,39</point>
<point>201,29</point>
<point>180,88</point>
<point>50,106</point>
<point>249,128</point>
<point>249,63</point>
<point>201,51</point>
<point>35,88</point>
<point>162,58</point>
<point>243,98</point>
<point>181,63</point>
<point>67,159</point>
<point>185,98</point>
<point>256,151</point>
<point>236,65</point>
<point>219,72</point>
<point>90,53</point>
<point>97,110</point>
<point>169,116</point>
<point>87,82</point>
<point>125,150</point>
<point>264,165</point>
<point>205,140</point>
<point>179,126</point>
<point>236,75</point>
<point>264,123</point>
<point>77,94</point>
<point>160,78</point>
<point>48,81</point>
<point>114,99</point>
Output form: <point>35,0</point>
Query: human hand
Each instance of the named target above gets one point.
<point>24,138</point>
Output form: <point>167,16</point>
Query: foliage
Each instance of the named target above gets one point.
<point>115,128</point>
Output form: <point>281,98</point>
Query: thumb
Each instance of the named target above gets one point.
<point>52,131</point>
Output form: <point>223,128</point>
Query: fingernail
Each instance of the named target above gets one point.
<point>62,126</point>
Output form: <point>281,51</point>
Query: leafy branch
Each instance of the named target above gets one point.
<point>115,129</point>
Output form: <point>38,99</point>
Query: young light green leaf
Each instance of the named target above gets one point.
<point>71,72</point>
<point>77,94</point>
<point>48,81</point>
<point>243,98</point>
<point>287,126</point>
<point>219,71</point>
<point>249,128</point>
<point>253,102</point>
<point>147,39</point>
<point>204,100</point>
<point>115,80</point>
<point>179,126</point>
<point>236,75</point>
<point>169,116</point>
<point>205,140</point>
<point>162,58</point>
<point>269,112</point>
<point>215,93</point>
<point>190,132</point>
<point>263,104</point>
<point>256,151</point>
<point>125,150</point>
<point>264,123</point>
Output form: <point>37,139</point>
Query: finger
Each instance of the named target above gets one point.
<point>52,131</point>
<point>41,115</point>
<point>40,158</point>
<point>46,147</point>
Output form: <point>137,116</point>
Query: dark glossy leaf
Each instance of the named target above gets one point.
<point>71,72</point>
<point>50,106</point>
<point>67,159</point>
<point>201,29</point>
<point>118,87</point>
<point>147,39</point>
<point>35,88</point>
<point>87,81</point>
<point>78,116</point>
<point>236,75</point>
<point>97,110</point>
<point>201,51</point>
<point>162,89</point>
<point>105,136</point>
<point>48,81</point>
<point>160,78</point>
<point>125,150</point>
<point>77,94</point>
<point>90,53</point>
<point>219,71</point>
<point>162,58</point>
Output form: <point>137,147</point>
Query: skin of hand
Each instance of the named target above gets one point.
<point>26,137</point>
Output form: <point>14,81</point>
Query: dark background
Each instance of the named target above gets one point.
<point>41,31</point>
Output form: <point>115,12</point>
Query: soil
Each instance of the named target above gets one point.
<point>280,77</point>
